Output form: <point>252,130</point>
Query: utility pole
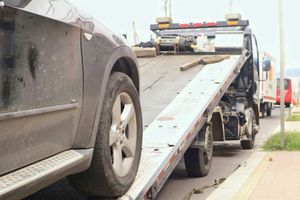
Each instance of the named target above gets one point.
<point>168,5</point>
<point>135,35</point>
<point>230,6</point>
<point>282,73</point>
<point>170,8</point>
<point>166,8</point>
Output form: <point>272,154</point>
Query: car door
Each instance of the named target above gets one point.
<point>40,81</point>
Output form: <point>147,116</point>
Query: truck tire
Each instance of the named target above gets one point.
<point>118,144</point>
<point>269,112</point>
<point>249,143</point>
<point>198,160</point>
<point>263,110</point>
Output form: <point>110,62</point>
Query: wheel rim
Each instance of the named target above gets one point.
<point>123,134</point>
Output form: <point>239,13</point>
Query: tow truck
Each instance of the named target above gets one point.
<point>187,111</point>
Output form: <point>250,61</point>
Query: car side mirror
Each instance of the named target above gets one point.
<point>267,65</point>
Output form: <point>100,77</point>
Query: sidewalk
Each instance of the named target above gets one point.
<point>265,176</point>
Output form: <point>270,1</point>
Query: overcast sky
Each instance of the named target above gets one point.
<point>262,14</point>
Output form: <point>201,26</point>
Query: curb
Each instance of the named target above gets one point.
<point>235,187</point>
<point>250,171</point>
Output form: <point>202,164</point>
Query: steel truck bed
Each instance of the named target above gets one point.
<point>183,99</point>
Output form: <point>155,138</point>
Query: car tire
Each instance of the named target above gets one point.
<point>198,160</point>
<point>118,144</point>
<point>287,105</point>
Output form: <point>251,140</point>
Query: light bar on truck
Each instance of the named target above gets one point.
<point>163,26</point>
<point>211,24</point>
<point>232,23</point>
<point>184,25</point>
<point>197,25</point>
<point>157,27</point>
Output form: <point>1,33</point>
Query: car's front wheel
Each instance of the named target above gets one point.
<point>118,144</point>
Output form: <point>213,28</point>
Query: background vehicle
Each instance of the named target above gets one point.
<point>268,83</point>
<point>288,94</point>
<point>69,101</point>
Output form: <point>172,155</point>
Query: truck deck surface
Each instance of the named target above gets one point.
<point>162,80</point>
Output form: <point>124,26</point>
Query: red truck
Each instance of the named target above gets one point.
<point>288,93</point>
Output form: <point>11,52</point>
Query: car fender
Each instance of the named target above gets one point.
<point>86,136</point>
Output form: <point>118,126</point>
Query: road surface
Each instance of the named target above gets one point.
<point>227,157</point>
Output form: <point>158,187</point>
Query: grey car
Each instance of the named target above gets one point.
<point>69,101</point>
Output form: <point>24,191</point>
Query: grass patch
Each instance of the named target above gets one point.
<point>292,142</point>
<point>294,117</point>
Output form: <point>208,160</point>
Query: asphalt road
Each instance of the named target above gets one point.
<point>227,158</point>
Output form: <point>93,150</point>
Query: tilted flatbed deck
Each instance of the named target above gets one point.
<point>184,100</point>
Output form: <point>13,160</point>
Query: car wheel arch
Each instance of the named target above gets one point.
<point>121,60</point>
<point>127,65</point>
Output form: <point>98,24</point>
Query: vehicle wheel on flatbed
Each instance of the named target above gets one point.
<point>118,143</point>
<point>249,143</point>
<point>198,160</point>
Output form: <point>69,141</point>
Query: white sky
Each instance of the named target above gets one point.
<point>262,14</point>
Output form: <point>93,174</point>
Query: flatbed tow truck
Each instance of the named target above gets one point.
<point>186,111</point>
